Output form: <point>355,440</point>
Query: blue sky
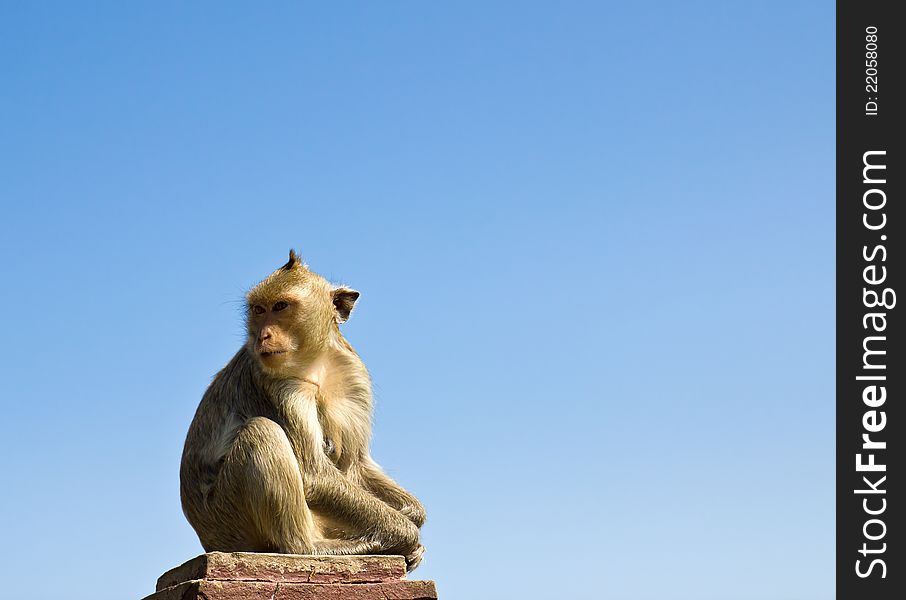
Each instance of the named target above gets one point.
<point>594,243</point>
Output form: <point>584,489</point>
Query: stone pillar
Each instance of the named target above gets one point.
<point>253,576</point>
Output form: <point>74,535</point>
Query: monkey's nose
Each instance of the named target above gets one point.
<point>265,335</point>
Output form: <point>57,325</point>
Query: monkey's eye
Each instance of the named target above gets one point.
<point>258,310</point>
<point>280,306</point>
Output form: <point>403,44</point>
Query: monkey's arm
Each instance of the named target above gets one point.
<point>381,485</point>
<point>329,488</point>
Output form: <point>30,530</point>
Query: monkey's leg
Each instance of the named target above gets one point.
<point>258,501</point>
<point>260,498</point>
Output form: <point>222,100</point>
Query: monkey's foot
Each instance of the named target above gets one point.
<point>415,558</point>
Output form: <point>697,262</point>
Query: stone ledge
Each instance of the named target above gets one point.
<point>286,568</point>
<point>267,590</point>
<point>254,576</point>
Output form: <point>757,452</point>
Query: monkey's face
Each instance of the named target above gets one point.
<point>270,330</point>
<point>286,329</point>
<point>293,317</point>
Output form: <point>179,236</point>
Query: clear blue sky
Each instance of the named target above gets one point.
<point>594,243</point>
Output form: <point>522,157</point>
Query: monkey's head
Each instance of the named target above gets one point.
<point>293,315</point>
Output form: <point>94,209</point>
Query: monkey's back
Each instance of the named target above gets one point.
<point>233,397</point>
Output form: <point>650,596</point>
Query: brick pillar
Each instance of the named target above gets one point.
<point>252,576</point>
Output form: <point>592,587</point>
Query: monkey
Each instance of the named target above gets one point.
<point>277,456</point>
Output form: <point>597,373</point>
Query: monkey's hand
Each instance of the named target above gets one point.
<point>414,558</point>
<point>400,537</point>
<point>414,512</point>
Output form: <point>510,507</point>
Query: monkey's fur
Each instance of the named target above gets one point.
<point>277,457</point>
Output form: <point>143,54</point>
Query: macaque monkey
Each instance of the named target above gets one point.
<point>277,457</point>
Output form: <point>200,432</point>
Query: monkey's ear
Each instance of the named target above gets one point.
<point>294,261</point>
<point>343,300</point>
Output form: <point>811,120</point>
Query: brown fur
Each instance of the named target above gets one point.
<point>277,456</point>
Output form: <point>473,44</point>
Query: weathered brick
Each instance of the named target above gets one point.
<point>286,568</point>
<point>267,590</point>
